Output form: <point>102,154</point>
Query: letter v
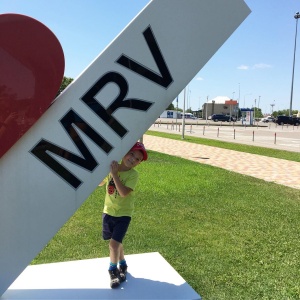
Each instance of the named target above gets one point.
<point>165,79</point>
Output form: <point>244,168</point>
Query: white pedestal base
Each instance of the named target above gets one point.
<point>149,276</point>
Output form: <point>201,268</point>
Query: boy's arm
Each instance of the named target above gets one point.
<point>103,182</point>
<point>122,189</point>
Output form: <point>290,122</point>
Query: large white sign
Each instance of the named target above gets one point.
<point>58,163</point>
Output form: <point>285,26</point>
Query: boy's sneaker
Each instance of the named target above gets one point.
<point>114,278</point>
<point>123,272</point>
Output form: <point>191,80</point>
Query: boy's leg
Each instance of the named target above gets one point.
<point>114,251</point>
<point>119,232</point>
<point>114,273</point>
<point>107,230</point>
<point>122,264</point>
<point>121,255</point>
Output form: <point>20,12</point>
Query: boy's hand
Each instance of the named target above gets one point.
<point>114,167</point>
<point>122,189</point>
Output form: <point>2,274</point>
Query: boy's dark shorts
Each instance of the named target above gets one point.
<point>114,227</point>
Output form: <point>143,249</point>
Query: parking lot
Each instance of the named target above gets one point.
<point>270,135</point>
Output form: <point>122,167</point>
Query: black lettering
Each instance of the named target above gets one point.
<point>165,78</point>
<point>106,113</point>
<point>86,161</point>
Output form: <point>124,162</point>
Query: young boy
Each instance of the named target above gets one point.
<point>118,208</point>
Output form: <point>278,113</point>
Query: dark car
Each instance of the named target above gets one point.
<point>296,121</point>
<point>220,117</point>
<point>287,120</point>
<point>284,120</point>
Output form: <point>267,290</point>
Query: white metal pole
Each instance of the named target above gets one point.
<point>183,115</point>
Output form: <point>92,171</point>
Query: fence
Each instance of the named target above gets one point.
<point>286,137</point>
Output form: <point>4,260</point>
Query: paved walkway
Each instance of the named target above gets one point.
<point>266,168</point>
<point>267,136</point>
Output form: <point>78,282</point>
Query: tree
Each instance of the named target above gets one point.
<point>170,107</point>
<point>284,112</point>
<point>258,113</point>
<point>65,82</point>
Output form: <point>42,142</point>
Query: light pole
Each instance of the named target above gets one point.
<point>199,107</point>
<point>296,16</point>
<point>254,111</point>
<point>183,116</point>
<point>206,107</point>
<point>272,107</point>
<point>189,96</point>
<point>176,111</point>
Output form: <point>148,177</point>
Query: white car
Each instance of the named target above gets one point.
<point>267,119</point>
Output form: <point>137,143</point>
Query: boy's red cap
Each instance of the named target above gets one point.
<point>139,146</point>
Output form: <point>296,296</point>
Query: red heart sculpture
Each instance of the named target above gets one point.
<point>31,71</point>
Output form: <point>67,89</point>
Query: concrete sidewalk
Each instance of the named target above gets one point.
<point>267,168</point>
<point>267,136</point>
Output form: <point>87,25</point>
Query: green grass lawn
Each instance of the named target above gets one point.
<point>288,155</point>
<point>230,236</point>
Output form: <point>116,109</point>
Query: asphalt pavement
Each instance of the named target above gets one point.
<point>269,135</point>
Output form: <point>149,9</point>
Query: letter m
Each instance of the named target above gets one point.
<point>86,161</point>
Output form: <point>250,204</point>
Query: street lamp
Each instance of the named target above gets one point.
<point>206,107</point>
<point>254,111</point>
<point>272,107</point>
<point>183,116</point>
<point>176,111</point>
<point>296,16</point>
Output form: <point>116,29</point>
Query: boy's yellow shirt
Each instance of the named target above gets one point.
<point>114,204</point>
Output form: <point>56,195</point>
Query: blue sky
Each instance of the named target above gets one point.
<point>254,63</point>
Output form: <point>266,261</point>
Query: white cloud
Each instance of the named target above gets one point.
<point>199,78</point>
<point>261,66</point>
<point>243,67</point>
<point>255,66</point>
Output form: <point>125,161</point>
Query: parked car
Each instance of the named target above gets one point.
<point>267,119</point>
<point>287,120</point>
<point>296,121</point>
<point>220,117</point>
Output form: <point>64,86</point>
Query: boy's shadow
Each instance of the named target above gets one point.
<point>141,288</point>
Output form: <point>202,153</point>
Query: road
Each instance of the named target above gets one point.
<point>269,135</point>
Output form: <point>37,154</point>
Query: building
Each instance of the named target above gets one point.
<point>220,105</point>
<point>171,114</point>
